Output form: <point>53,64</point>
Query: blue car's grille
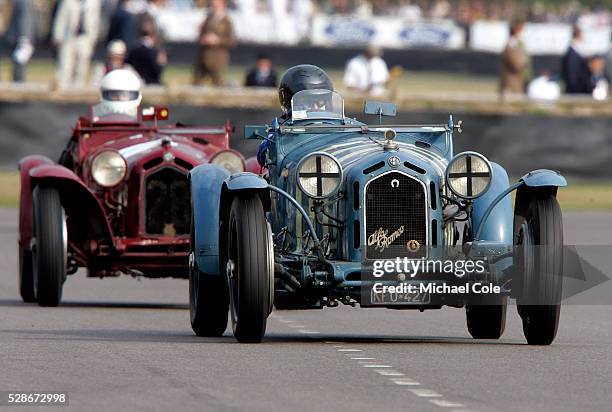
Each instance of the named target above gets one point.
<point>395,217</point>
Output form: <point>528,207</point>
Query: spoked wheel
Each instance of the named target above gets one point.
<point>208,298</point>
<point>249,268</point>
<point>486,319</point>
<point>49,251</point>
<point>539,235</point>
<point>26,276</point>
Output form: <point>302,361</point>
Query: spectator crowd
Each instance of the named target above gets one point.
<point>579,73</point>
<point>134,40</point>
<point>468,11</point>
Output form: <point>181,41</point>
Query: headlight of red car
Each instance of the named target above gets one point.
<point>232,161</point>
<point>108,168</point>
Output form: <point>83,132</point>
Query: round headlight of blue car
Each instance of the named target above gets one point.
<point>319,175</point>
<point>468,175</point>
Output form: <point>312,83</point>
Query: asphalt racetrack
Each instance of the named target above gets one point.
<point>125,344</point>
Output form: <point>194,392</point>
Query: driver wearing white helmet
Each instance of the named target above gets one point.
<point>120,99</point>
<point>120,95</point>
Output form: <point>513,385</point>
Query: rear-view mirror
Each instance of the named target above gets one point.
<point>380,108</point>
<point>256,132</point>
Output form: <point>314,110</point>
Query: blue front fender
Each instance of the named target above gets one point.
<point>210,185</point>
<point>544,177</point>
<point>244,181</point>
<point>206,188</point>
<point>498,226</point>
<point>485,230</point>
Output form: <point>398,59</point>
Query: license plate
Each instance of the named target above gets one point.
<point>399,298</point>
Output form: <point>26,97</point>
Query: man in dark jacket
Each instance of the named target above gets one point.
<point>123,25</point>
<point>262,75</point>
<point>575,69</point>
<point>146,58</point>
<point>20,36</point>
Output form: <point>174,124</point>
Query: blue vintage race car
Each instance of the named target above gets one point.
<point>342,199</point>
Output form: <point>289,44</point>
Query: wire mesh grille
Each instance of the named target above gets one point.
<point>395,217</point>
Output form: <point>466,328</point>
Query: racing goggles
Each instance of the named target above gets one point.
<point>120,95</point>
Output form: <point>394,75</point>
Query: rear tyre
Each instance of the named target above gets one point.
<point>26,276</point>
<point>539,235</point>
<point>487,320</point>
<point>50,246</point>
<point>249,268</point>
<point>208,298</point>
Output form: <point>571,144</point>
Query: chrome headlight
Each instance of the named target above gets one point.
<point>319,175</point>
<point>232,161</point>
<point>108,168</point>
<point>469,175</point>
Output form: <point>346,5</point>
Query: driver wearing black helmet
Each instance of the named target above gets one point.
<point>295,80</point>
<point>304,77</point>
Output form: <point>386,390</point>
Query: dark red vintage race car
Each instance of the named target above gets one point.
<point>117,203</point>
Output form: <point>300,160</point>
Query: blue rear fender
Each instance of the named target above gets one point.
<point>212,191</point>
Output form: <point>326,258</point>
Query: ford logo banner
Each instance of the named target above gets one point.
<point>349,31</point>
<point>425,36</point>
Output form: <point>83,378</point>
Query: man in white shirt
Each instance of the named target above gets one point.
<point>367,73</point>
<point>75,32</point>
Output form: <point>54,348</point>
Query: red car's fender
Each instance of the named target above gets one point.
<point>25,196</point>
<point>81,204</point>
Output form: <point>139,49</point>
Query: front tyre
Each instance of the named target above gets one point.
<point>208,302</point>
<point>539,235</point>
<point>486,319</point>
<point>249,268</point>
<point>50,247</point>
<point>208,298</point>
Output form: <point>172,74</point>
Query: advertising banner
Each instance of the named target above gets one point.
<point>539,38</point>
<point>388,32</point>
<point>258,28</point>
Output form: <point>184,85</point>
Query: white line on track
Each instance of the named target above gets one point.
<point>388,372</point>
<point>404,382</point>
<point>396,377</point>
<point>445,404</point>
<point>425,393</point>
